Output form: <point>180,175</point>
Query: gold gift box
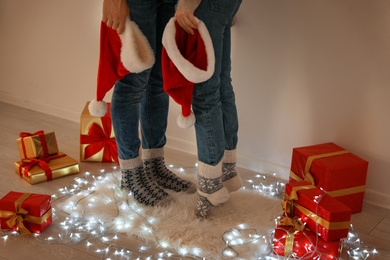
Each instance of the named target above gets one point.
<point>86,122</point>
<point>61,165</point>
<point>34,147</point>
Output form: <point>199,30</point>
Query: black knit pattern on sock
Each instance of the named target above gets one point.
<point>143,189</point>
<point>228,171</point>
<point>209,186</point>
<point>165,178</point>
<point>202,207</point>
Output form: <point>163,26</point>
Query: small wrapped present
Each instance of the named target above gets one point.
<point>25,212</point>
<point>46,168</point>
<point>330,167</point>
<point>34,145</point>
<point>304,245</point>
<point>97,138</point>
<point>322,214</point>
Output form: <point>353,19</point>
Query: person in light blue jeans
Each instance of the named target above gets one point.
<point>139,100</point>
<point>214,104</point>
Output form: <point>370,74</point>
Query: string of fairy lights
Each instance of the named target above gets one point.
<point>102,236</point>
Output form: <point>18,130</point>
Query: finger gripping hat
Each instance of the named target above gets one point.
<point>129,52</point>
<point>186,59</point>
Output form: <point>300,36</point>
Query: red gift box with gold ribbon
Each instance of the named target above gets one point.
<point>97,138</point>
<point>25,212</point>
<point>46,168</point>
<point>330,167</point>
<point>321,213</point>
<point>304,245</point>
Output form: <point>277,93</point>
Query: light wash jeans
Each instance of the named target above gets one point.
<point>140,98</point>
<point>214,100</point>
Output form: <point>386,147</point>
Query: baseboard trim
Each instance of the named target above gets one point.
<point>377,198</point>
<point>39,107</point>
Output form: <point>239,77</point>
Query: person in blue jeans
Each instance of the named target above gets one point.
<point>214,104</point>
<point>138,99</point>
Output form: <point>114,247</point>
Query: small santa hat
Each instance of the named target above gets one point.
<point>129,52</point>
<point>186,59</point>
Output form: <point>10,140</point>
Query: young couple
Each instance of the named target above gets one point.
<point>139,98</point>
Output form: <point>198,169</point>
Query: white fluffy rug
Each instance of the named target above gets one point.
<point>175,226</point>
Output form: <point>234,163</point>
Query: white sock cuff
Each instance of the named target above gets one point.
<point>130,163</point>
<point>209,171</point>
<point>230,156</point>
<point>152,153</point>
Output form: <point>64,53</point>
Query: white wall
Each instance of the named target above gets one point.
<point>305,72</point>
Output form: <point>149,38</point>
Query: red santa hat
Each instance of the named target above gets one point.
<point>186,59</point>
<point>129,52</point>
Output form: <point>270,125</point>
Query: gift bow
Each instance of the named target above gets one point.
<point>98,138</point>
<point>41,162</point>
<point>19,215</point>
<point>41,134</point>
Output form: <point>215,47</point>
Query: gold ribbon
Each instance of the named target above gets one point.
<point>289,244</point>
<point>20,215</point>
<point>333,193</point>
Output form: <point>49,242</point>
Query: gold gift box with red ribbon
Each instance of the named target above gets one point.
<point>34,145</point>
<point>97,138</point>
<point>330,167</point>
<point>46,168</point>
<point>321,213</point>
<point>304,244</point>
<point>26,212</point>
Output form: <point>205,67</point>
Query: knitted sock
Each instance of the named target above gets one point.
<point>135,180</point>
<point>155,167</point>
<point>231,179</point>
<point>211,191</point>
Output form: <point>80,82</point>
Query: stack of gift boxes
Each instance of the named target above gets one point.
<point>326,186</point>
<point>40,161</point>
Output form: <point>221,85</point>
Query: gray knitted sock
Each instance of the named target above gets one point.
<point>165,178</point>
<point>143,189</point>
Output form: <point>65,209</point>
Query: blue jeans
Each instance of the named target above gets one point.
<point>214,100</point>
<point>140,98</point>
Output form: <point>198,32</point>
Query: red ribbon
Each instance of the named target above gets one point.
<point>41,137</point>
<point>41,162</point>
<point>98,138</point>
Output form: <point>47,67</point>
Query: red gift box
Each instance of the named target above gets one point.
<point>97,138</point>
<point>322,214</point>
<point>335,170</point>
<point>25,212</point>
<point>304,245</point>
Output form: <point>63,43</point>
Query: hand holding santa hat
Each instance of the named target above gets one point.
<point>129,52</point>
<point>186,59</point>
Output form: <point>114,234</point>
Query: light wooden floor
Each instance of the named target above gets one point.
<point>372,225</point>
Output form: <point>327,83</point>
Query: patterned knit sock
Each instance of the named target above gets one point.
<point>135,180</point>
<point>211,191</point>
<point>231,179</point>
<point>155,167</point>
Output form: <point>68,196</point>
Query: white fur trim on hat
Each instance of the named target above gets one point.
<point>186,68</point>
<point>136,53</point>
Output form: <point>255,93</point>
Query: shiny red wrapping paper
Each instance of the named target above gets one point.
<point>30,212</point>
<point>97,138</point>
<point>335,170</point>
<point>304,244</point>
<point>322,214</point>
